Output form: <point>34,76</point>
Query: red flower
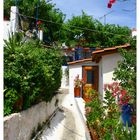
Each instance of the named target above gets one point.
<point>39,22</point>
<point>123,92</point>
<point>109,5</point>
<point>112,1</point>
<point>124,99</point>
<point>116,90</point>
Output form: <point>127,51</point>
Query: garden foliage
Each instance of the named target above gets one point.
<point>105,121</point>
<point>105,117</point>
<point>31,73</point>
<point>126,70</point>
<point>86,31</point>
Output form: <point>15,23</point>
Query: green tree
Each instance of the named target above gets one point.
<point>126,70</point>
<point>84,30</point>
<point>46,11</point>
<point>79,29</point>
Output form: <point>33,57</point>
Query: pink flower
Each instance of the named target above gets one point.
<point>124,98</point>
<point>109,86</point>
<point>105,87</point>
<point>116,90</point>
<point>112,1</point>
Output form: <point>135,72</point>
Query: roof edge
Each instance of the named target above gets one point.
<point>79,61</point>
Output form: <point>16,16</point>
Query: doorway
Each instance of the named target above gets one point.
<point>90,76</point>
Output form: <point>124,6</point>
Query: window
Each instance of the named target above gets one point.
<point>90,78</point>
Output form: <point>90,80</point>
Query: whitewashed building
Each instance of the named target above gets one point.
<point>97,70</point>
<point>134,32</point>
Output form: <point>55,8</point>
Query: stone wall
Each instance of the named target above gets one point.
<point>20,126</point>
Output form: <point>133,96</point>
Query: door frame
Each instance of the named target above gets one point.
<point>96,76</point>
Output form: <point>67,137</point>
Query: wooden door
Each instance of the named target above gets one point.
<point>90,77</point>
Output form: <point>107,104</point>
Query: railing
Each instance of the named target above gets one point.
<point>77,53</point>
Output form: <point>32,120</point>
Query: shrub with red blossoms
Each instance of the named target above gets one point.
<point>124,98</point>
<point>117,91</point>
<point>114,88</point>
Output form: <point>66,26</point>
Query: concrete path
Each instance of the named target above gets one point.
<point>68,123</point>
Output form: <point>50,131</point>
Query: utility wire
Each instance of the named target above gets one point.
<point>128,10</point>
<point>104,16</point>
<point>88,29</point>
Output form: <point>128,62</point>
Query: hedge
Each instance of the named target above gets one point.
<point>31,74</point>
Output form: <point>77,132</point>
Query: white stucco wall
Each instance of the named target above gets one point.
<point>12,25</point>
<point>6,31</point>
<point>14,19</point>
<point>134,33</point>
<point>20,126</point>
<point>106,69</point>
<point>109,63</point>
<point>74,70</point>
<point>64,80</point>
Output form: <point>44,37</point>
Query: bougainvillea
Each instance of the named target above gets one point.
<point>110,3</point>
<point>118,92</point>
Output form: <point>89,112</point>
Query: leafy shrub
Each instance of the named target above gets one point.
<point>11,97</point>
<point>104,118</point>
<point>126,71</point>
<point>31,72</point>
<point>96,114</point>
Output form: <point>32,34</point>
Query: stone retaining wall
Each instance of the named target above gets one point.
<point>20,126</point>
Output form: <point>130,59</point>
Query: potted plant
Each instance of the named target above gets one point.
<point>77,86</point>
<point>89,93</point>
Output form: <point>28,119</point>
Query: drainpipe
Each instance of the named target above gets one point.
<point>37,18</point>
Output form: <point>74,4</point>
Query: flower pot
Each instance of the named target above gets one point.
<point>77,91</point>
<point>93,133</point>
<point>126,115</point>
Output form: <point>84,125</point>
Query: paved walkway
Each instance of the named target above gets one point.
<point>68,123</point>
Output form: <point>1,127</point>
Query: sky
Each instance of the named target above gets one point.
<point>118,14</point>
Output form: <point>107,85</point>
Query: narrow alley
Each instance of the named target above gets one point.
<point>66,123</point>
